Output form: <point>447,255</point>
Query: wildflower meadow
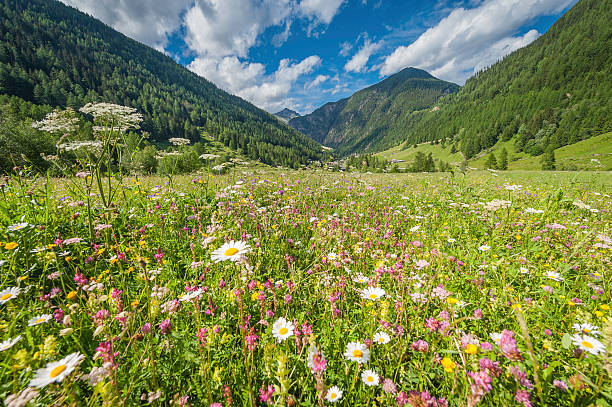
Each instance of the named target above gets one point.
<point>305,288</point>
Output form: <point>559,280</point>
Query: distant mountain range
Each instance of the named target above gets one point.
<point>369,119</point>
<point>286,114</point>
<point>52,54</point>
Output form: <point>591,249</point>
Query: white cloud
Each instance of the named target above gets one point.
<point>321,10</point>
<point>148,21</point>
<point>345,49</point>
<point>317,81</point>
<point>218,28</point>
<point>249,80</point>
<point>469,39</point>
<point>360,59</point>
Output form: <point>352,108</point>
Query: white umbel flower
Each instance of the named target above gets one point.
<point>55,372</point>
<point>372,293</point>
<point>357,352</point>
<point>334,394</point>
<point>232,251</point>
<point>589,344</point>
<point>41,319</point>
<point>381,338</point>
<point>282,329</point>
<point>9,343</point>
<point>370,378</point>
<point>9,294</point>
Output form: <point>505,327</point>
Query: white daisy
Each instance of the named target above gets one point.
<point>586,328</point>
<point>361,279</point>
<point>370,378</point>
<point>9,293</point>
<point>372,293</point>
<point>381,338</point>
<point>332,256</point>
<point>451,240</point>
<point>588,344</point>
<point>17,226</point>
<point>484,248</point>
<point>282,329</point>
<point>334,394</point>
<point>41,319</point>
<point>191,295</point>
<point>9,343</point>
<point>357,352</point>
<point>55,372</point>
<point>553,276</point>
<point>232,251</point>
<point>496,337</point>
<point>524,270</point>
<point>532,210</point>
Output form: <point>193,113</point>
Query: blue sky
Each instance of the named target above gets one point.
<point>301,54</point>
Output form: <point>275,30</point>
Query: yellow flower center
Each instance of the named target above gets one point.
<point>333,396</point>
<point>57,371</point>
<point>283,331</point>
<point>587,344</point>
<point>381,339</point>
<point>6,296</point>
<point>370,379</point>
<point>373,296</point>
<point>357,353</point>
<point>39,321</point>
<point>231,251</point>
<point>586,330</point>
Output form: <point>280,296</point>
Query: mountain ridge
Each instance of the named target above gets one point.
<point>365,119</point>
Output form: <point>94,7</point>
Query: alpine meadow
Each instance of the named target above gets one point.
<point>305,203</point>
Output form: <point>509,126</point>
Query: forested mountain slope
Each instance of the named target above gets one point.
<point>375,116</point>
<point>554,92</point>
<point>52,54</point>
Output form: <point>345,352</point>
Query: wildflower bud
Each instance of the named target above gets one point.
<point>66,332</point>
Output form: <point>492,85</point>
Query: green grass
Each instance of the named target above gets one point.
<point>408,155</point>
<point>576,156</point>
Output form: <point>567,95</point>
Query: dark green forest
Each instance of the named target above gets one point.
<point>55,56</point>
<point>554,92</point>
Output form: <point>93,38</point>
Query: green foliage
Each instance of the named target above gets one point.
<point>51,54</point>
<point>374,118</point>
<point>548,159</point>
<point>366,162</point>
<point>423,163</point>
<point>491,162</point>
<point>502,162</point>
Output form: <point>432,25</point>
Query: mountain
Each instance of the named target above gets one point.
<point>286,114</point>
<point>52,54</point>
<point>369,119</point>
<point>554,92</point>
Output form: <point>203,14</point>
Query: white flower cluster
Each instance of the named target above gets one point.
<point>178,141</point>
<point>58,121</point>
<point>93,146</point>
<point>119,117</point>
<point>209,156</point>
<point>497,204</point>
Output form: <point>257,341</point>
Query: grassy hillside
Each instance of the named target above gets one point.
<point>576,156</point>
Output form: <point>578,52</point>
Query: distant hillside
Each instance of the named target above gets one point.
<point>373,118</point>
<point>554,92</point>
<point>52,54</point>
<point>286,114</point>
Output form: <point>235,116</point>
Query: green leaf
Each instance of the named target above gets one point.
<point>566,341</point>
